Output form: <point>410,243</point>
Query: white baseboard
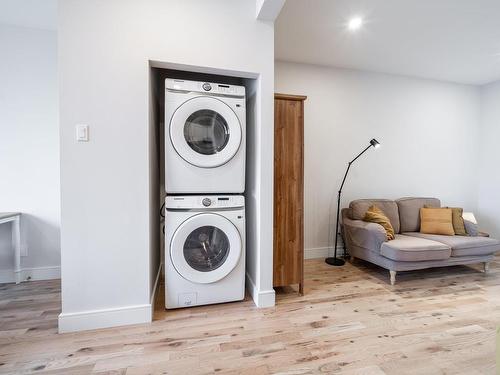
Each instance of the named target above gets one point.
<point>105,318</point>
<point>261,298</point>
<point>321,252</point>
<point>34,273</point>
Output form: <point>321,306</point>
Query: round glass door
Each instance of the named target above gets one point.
<point>205,248</point>
<point>205,132</point>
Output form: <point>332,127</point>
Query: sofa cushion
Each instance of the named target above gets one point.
<point>463,246</point>
<point>471,228</point>
<point>410,249</point>
<point>409,212</point>
<point>470,223</point>
<point>390,209</point>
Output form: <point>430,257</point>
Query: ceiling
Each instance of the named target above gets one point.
<point>38,14</point>
<point>449,40</point>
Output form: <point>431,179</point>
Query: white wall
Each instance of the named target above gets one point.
<point>104,53</point>
<point>259,193</point>
<point>489,178</point>
<point>428,131</point>
<point>29,148</point>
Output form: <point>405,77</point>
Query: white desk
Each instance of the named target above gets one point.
<point>15,219</point>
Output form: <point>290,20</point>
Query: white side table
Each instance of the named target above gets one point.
<point>15,219</point>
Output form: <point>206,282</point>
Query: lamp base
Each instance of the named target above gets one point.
<point>334,261</point>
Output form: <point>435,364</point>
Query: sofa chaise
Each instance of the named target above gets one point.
<point>410,250</point>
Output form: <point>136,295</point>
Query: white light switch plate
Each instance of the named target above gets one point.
<point>82,133</point>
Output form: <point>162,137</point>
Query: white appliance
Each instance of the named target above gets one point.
<point>204,137</point>
<point>204,249</point>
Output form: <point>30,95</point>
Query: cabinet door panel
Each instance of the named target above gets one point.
<point>288,191</point>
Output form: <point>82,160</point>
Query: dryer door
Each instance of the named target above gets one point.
<point>205,132</point>
<point>205,248</point>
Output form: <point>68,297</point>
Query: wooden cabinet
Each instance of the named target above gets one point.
<point>288,190</point>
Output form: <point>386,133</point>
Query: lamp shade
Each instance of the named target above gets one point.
<point>375,143</point>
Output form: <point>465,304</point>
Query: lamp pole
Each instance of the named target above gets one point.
<point>334,261</point>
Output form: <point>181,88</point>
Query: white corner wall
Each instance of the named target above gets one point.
<point>428,130</point>
<point>29,149</point>
<point>489,178</point>
<point>104,54</point>
<point>259,192</point>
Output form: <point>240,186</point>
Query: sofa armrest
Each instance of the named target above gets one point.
<point>359,233</point>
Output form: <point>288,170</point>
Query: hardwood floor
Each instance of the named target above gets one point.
<point>350,321</point>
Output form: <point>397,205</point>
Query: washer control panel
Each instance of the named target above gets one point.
<point>188,202</point>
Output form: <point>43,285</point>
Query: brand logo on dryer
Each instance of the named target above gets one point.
<point>207,86</point>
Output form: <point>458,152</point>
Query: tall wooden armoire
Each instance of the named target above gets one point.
<point>289,190</point>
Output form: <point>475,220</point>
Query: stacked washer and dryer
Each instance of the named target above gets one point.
<point>204,181</point>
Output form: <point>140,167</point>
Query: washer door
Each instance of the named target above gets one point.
<point>205,248</point>
<point>205,132</point>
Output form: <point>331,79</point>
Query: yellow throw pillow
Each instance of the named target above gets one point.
<point>456,220</point>
<point>436,221</point>
<point>376,215</point>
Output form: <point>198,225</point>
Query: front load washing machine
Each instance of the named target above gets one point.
<point>204,249</point>
<point>204,137</point>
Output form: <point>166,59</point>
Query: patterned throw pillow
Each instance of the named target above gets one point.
<point>458,221</point>
<point>376,215</point>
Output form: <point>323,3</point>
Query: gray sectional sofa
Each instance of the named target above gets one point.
<point>410,250</point>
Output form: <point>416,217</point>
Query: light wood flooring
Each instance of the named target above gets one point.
<point>350,321</point>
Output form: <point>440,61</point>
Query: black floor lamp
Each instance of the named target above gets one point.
<point>334,261</point>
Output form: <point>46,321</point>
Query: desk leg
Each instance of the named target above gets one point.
<point>16,242</point>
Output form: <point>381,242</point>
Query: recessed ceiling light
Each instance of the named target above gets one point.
<point>355,23</point>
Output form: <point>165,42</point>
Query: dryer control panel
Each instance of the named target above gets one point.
<point>204,87</point>
<point>186,202</point>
